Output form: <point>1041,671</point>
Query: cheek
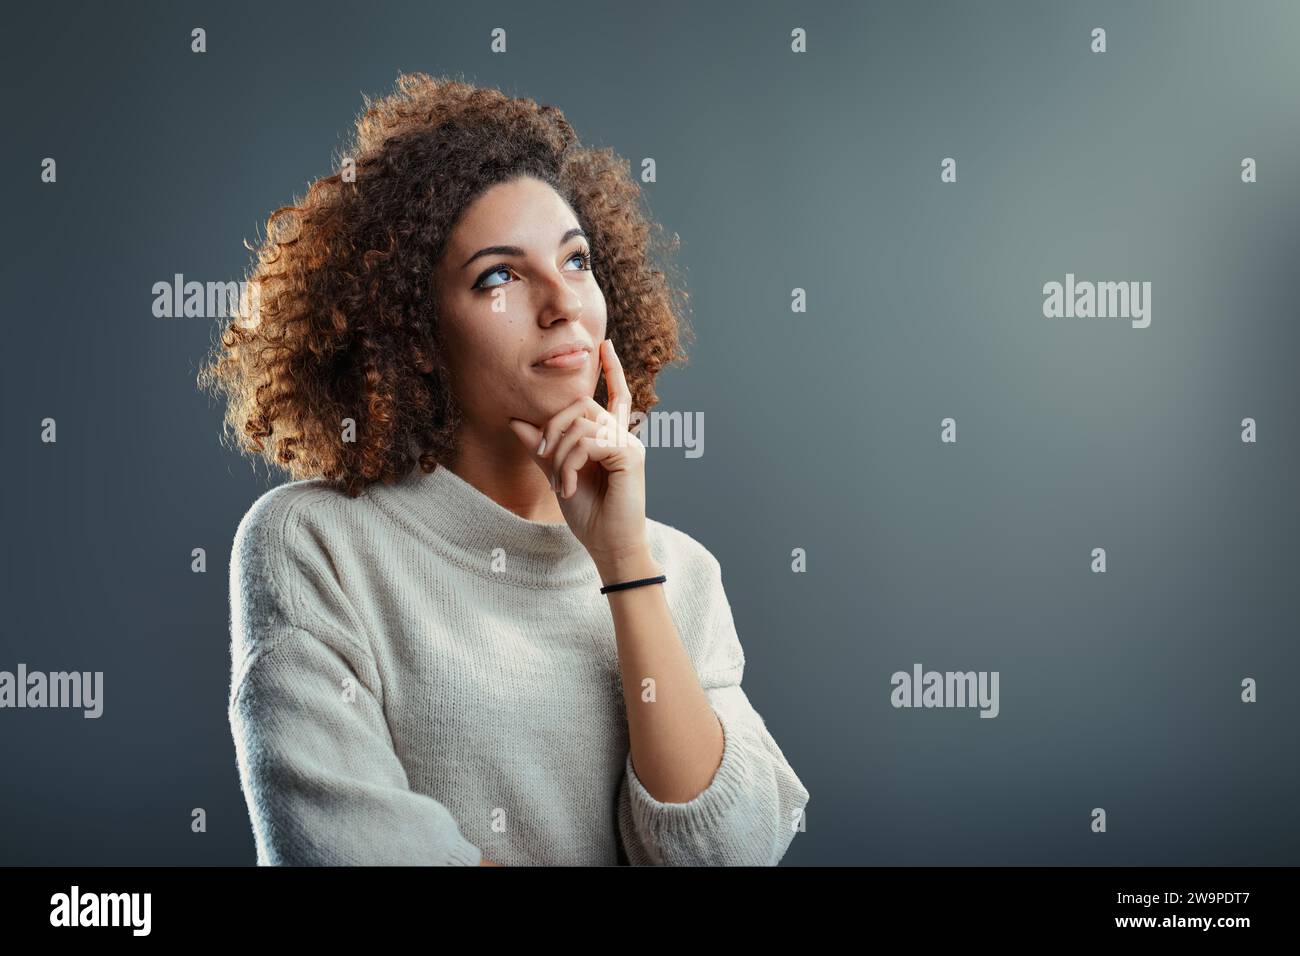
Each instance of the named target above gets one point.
<point>594,314</point>
<point>481,348</point>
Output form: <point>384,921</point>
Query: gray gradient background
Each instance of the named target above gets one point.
<point>821,430</point>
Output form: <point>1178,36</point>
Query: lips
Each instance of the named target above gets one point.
<point>564,356</point>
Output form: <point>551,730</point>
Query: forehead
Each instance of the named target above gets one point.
<point>522,212</point>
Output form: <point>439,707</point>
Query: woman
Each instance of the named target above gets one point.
<point>494,657</point>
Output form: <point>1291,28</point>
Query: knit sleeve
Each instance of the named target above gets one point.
<point>316,761</point>
<point>749,813</point>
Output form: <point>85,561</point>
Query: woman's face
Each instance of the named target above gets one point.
<point>513,286</point>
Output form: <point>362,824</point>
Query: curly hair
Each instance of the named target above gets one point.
<point>345,324</point>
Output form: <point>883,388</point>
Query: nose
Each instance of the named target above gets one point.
<point>560,301</point>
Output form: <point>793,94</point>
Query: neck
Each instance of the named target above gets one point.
<point>501,468</point>
<point>447,513</point>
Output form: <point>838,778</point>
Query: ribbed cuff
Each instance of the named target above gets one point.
<point>708,810</point>
<point>464,853</point>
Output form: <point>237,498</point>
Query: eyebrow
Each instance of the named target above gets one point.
<point>516,251</point>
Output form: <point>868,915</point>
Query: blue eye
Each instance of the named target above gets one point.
<point>583,255</point>
<point>480,284</point>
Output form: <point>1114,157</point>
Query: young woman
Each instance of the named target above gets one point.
<point>456,636</point>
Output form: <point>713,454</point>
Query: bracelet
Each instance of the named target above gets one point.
<point>659,579</point>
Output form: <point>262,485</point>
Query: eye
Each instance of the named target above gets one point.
<point>584,256</point>
<point>481,284</point>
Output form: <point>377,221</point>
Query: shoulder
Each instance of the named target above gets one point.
<point>678,551</point>
<point>284,582</point>
<point>276,514</point>
<point>270,536</point>
<point>284,558</point>
<point>702,612</point>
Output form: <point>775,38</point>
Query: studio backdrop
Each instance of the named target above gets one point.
<point>990,415</point>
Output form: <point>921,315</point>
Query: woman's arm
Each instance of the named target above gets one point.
<point>704,782</point>
<point>316,762</point>
<point>316,759</point>
<point>748,804</point>
<point>676,737</point>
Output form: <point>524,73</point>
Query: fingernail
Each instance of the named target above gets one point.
<point>541,449</point>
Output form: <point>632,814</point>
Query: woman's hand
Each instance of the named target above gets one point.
<point>597,468</point>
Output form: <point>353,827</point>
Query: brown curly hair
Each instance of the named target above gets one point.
<point>346,325</point>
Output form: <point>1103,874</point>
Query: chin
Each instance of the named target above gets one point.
<point>543,397</point>
<point>556,398</point>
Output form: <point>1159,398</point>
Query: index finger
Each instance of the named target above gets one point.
<point>615,382</point>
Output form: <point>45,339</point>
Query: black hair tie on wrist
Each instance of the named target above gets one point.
<point>659,579</point>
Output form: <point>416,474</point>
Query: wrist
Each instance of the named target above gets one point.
<point>630,564</point>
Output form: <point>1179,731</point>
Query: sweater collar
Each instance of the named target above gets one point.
<point>467,526</point>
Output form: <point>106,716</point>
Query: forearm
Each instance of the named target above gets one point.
<point>675,736</point>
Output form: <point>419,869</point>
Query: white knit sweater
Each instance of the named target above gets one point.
<point>402,692</point>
